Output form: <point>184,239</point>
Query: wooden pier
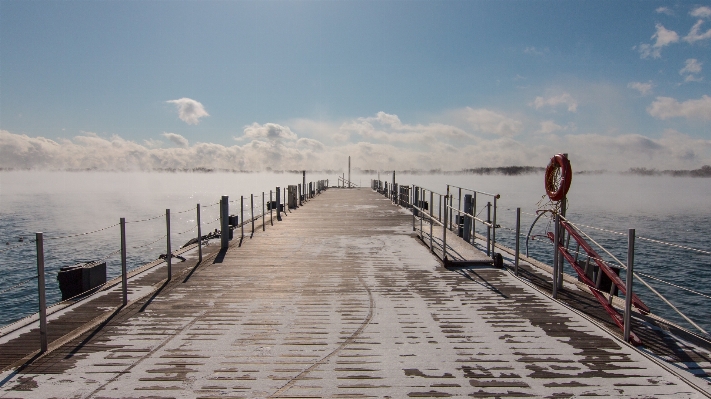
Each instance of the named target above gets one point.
<point>340,299</point>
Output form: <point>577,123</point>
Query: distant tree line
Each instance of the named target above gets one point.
<point>704,171</point>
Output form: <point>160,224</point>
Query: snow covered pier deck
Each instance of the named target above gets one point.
<point>339,300</point>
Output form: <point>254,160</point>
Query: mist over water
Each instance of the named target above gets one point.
<point>675,209</point>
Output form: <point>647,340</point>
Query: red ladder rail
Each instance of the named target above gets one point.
<point>616,318</point>
<point>641,306</point>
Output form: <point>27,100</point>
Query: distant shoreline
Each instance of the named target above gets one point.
<point>704,171</point>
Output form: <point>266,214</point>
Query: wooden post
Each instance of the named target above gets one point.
<point>224,222</point>
<point>241,215</point>
<point>169,252</point>
<point>199,226</point>
<point>278,203</point>
<point>271,208</point>
<point>39,239</point>
<point>304,183</point>
<point>124,282</point>
<point>251,203</point>
<point>628,283</point>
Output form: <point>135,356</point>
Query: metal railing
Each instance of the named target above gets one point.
<point>456,211</point>
<point>246,204</point>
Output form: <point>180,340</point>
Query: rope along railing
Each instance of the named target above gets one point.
<point>453,205</point>
<point>252,208</point>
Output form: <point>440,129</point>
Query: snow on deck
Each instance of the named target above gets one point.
<point>339,300</point>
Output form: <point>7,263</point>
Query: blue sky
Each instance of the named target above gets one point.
<point>397,85</point>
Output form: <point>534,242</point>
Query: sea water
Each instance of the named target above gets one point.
<point>65,205</point>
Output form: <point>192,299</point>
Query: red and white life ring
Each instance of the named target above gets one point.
<point>559,175</point>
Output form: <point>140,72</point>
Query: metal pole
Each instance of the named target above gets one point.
<point>169,253</point>
<point>271,208</point>
<point>392,196</point>
<point>349,171</point>
<point>224,222</point>
<point>199,226</point>
<point>241,214</point>
<point>518,236</point>
<point>304,183</point>
<point>556,236</point>
<point>628,281</point>
<point>431,221</point>
<point>251,203</point>
<point>124,283</point>
<point>493,230</point>
<point>459,210</point>
<point>444,229</point>
<point>278,203</point>
<point>414,200</point>
<point>474,218</point>
<point>488,228</point>
<point>450,203</point>
<point>263,212</point>
<point>439,208</point>
<point>39,239</point>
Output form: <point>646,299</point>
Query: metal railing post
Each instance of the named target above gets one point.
<point>263,213</point>
<point>124,283</point>
<point>628,283</point>
<point>488,228</point>
<point>199,237</point>
<point>414,199</point>
<point>224,222</point>
<point>444,229</point>
<point>241,215</point>
<point>459,210</point>
<point>556,236</point>
<point>493,230</point>
<point>449,202</point>
<point>169,253</point>
<point>474,218</point>
<point>39,239</point>
<point>431,221</point>
<point>518,236</point>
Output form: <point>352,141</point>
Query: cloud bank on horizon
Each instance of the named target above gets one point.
<point>309,96</point>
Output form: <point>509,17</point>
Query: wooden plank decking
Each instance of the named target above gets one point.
<point>339,300</point>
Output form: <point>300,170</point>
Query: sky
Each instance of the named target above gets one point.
<point>396,85</point>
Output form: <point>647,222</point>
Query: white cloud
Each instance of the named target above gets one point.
<point>176,139</point>
<point>663,36</point>
<point>548,127</point>
<point>695,35</point>
<point>691,70</point>
<point>664,10</point>
<point>701,12</point>
<point>667,107</point>
<point>189,110</point>
<point>534,51</point>
<point>564,99</point>
<point>643,88</point>
<point>490,122</point>
<point>269,131</point>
